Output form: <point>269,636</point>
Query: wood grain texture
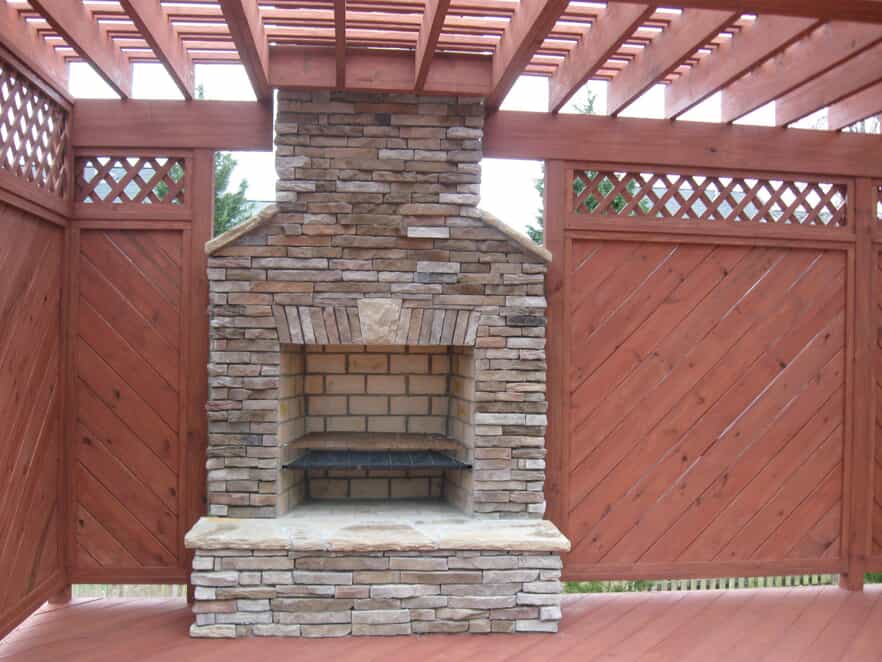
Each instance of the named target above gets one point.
<point>127,439</point>
<point>706,424</point>
<point>748,625</point>
<point>32,260</point>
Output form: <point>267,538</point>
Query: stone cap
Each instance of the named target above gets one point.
<point>339,527</point>
<point>268,212</point>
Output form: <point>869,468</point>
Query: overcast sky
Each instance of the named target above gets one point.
<point>507,189</point>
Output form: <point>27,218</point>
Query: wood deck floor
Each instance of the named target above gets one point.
<point>822,624</point>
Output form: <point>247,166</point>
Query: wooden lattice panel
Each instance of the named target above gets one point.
<point>706,390</point>
<point>33,133</point>
<point>710,198</point>
<point>140,180</point>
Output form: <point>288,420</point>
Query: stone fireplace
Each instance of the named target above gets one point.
<point>376,457</point>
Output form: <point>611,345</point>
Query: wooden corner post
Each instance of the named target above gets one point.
<point>555,438</point>
<point>858,479</point>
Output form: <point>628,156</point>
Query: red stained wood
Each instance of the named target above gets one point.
<point>827,46</point>
<point>246,29</point>
<point>151,21</point>
<point>606,35</point>
<point>851,77</point>
<point>74,22</point>
<point>23,41</point>
<point>780,625</point>
<point>430,30</point>
<point>221,125</point>
<point>855,108</point>
<point>31,438</point>
<point>686,32</point>
<point>565,136</point>
<point>528,28</point>
<point>467,75</point>
<point>129,399</point>
<point>734,57</point>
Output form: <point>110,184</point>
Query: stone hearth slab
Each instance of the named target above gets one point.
<point>373,527</point>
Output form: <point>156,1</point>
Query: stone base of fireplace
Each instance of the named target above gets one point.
<point>374,569</point>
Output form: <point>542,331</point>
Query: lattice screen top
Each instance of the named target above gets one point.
<point>158,180</point>
<point>710,198</point>
<point>33,133</point>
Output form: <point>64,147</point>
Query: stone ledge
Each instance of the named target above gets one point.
<point>401,526</point>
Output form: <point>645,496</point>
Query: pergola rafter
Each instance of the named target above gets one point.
<point>152,22</point>
<point>848,78</point>
<point>755,43</point>
<point>686,33</point>
<point>861,106</point>
<point>430,30</point>
<point>246,31</point>
<point>805,60</point>
<point>529,27</point>
<point>606,36</point>
<point>806,55</point>
<point>74,23</point>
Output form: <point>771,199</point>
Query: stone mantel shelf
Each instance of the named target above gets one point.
<point>376,527</point>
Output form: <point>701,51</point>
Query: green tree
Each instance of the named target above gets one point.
<point>230,207</point>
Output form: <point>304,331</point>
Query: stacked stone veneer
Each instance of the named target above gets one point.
<point>377,200</point>
<point>278,593</point>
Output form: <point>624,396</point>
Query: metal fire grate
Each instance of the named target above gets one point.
<point>316,459</point>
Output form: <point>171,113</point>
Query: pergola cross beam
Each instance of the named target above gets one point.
<point>685,34</point>
<point>75,24</point>
<point>152,22</point>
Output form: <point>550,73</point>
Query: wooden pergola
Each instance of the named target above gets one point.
<point>803,55</point>
<point>753,251</point>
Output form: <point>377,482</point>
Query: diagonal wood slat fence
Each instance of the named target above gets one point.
<point>714,367</point>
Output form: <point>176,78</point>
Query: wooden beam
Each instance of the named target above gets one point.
<point>685,34</point>
<point>826,47</point>
<point>735,57</point>
<point>389,71</point>
<point>218,125</point>
<point>152,22</point>
<point>246,29</point>
<point>30,49</point>
<point>430,30</point>
<point>601,139</point>
<point>606,35</point>
<point>859,107</point>
<point>869,11</point>
<point>840,82</point>
<point>75,24</point>
<point>528,28</point>
<point>340,41</point>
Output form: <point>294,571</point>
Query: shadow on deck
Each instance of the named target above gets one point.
<point>823,624</point>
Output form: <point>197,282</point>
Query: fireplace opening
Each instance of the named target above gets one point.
<point>376,423</point>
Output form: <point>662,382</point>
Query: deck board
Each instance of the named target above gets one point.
<point>810,623</point>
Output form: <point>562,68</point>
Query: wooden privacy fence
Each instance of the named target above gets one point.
<point>713,371</point>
